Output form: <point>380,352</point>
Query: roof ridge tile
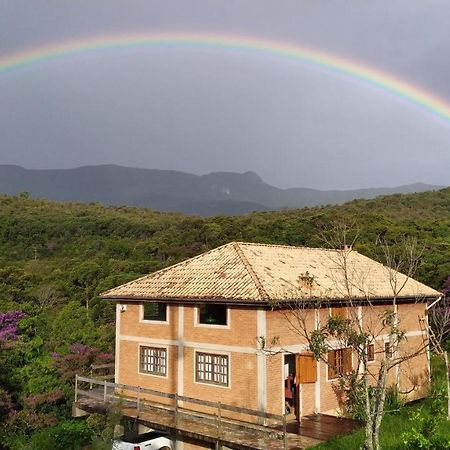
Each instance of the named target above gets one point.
<point>172,266</point>
<point>262,292</point>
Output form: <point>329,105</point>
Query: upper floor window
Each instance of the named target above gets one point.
<point>211,314</point>
<point>156,311</point>
<point>339,312</point>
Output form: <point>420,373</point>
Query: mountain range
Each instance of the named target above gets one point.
<point>216,193</point>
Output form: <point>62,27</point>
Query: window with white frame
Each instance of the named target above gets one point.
<point>212,368</point>
<point>211,314</point>
<point>155,311</point>
<point>153,360</point>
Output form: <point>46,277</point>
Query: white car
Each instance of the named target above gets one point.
<point>153,440</point>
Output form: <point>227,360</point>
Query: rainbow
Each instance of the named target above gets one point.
<point>412,94</point>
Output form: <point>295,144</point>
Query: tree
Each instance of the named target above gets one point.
<point>439,318</point>
<point>359,382</point>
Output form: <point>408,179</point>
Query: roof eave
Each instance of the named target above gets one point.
<point>276,302</point>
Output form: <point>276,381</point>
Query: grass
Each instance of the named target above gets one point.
<point>395,424</point>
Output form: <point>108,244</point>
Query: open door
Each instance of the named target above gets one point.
<point>306,372</point>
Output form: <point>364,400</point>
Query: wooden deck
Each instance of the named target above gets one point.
<point>213,428</point>
<point>323,427</point>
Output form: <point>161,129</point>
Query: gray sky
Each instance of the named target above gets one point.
<point>198,111</point>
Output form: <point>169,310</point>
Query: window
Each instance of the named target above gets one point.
<point>339,362</point>
<point>210,368</point>
<point>370,353</point>
<point>155,311</point>
<point>339,312</point>
<point>213,314</point>
<point>153,360</point>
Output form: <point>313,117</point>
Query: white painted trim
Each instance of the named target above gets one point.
<point>300,400</point>
<point>436,301</point>
<point>397,367</point>
<point>295,348</point>
<point>180,351</point>
<point>222,348</point>
<point>283,394</point>
<point>415,333</point>
<point>117,352</point>
<point>317,392</point>
<point>203,383</point>
<point>153,374</point>
<point>427,328</point>
<point>192,344</point>
<point>197,324</point>
<point>261,330</point>
<point>154,322</point>
<point>147,340</point>
<point>359,314</point>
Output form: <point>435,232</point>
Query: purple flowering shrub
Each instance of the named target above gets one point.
<point>78,360</point>
<point>8,325</point>
<point>446,288</point>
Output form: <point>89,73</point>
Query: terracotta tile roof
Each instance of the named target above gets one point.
<point>249,272</point>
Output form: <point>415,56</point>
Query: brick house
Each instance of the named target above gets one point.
<point>194,328</point>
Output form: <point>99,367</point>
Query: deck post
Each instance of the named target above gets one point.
<point>104,392</point>
<point>284,432</point>
<point>76,387</point>
<point>138,400</point>
<point>175,412</point>
<point>219,423</point>
<point>176,409</point>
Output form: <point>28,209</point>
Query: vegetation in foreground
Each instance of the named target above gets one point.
<point>55,258</point>
<point>419,425</point>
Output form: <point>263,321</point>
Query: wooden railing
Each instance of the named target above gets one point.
<point>102,368</point>
<point>108,392</point>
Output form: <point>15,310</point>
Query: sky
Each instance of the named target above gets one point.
<point>205,109</point>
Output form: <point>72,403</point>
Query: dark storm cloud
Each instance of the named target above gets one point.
<point>201,112</point>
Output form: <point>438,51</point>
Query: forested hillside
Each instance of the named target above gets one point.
<point>55,258</point>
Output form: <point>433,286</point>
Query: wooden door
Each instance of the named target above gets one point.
<point>305,372</point>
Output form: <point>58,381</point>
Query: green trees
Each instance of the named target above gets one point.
<point>55,258</point>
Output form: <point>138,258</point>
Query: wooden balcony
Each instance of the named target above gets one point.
<point>206,421</point>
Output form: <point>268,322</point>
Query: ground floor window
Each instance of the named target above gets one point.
<point>339,362</point>
<point>153,360</point>
<point>211,368</point>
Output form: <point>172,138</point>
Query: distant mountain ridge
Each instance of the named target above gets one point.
<point>173,191</point>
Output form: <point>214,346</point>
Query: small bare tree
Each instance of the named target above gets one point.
<point>351,282</point>
<point>439,317</point>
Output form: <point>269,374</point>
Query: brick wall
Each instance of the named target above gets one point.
<point>238,341</point>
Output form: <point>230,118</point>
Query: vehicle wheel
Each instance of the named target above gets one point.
<point>164,448</point>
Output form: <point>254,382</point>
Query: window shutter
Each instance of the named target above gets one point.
<point>347,360</point>
<point>339,312</point>
<point>306,368</point>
